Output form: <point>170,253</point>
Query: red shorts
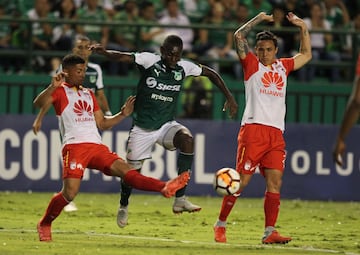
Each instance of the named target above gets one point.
<point>260,146</point>
<point>77,157</point>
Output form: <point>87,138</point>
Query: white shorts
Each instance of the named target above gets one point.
<point>141,141</point>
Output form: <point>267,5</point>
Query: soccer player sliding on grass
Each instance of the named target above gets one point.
<point>260,139</point>
<point>80,117</point>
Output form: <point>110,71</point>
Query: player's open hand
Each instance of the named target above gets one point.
<point>266,17</point>
<point>128,106</point>
<point>232,106</point>
<point>58,79</point>
<point>36,126</point>
<point>295,20</point>
<point>97,48</point>
<point>338,152</point>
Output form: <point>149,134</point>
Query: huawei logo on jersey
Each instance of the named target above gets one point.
<point>271,79</point>
<point>81,107</point>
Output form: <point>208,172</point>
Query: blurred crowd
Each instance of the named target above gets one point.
<point>202,44</point>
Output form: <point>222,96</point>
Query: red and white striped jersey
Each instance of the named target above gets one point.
<point>75,111</point>
<point>265,91</point>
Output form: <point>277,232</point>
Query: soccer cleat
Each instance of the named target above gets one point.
<point>275,237</point>
<point>44,232</point>
<point>219,233</point>
<point>181,205</point>
<point>175,184</point>
<point>122,216</point>
<point>70,207</point>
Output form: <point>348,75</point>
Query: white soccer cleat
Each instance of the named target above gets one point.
<point>122,216</point>
<point>181,204</point>
<point>70,207</point>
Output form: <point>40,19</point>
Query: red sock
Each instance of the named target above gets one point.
<point>141,182</point>
<point>54,208</point>
<point>271,208</point>
<point>227,204</point>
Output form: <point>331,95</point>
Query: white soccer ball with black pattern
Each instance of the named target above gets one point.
<point>226,181</point>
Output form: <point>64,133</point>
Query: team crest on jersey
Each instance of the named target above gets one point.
<point>247,165</point>
<point>177,75</point>
<point>92,78</point>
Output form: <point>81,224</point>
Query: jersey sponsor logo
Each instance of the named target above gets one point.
<point>81,108</point>
<point>151,82</point>
<point>270,80</point>
<point>161,97</point>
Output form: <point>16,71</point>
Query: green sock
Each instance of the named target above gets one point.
<point>184,163</point>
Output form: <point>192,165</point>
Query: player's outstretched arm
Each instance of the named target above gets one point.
<point>112,54</point>
<point>304,54</point>
<point>351,116</point>
<point>241,44</point>
<point>38,120</point>
<point>216,79</point>
<point>107,122</point>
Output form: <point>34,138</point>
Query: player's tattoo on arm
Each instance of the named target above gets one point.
<point>245,29</point>
<point>242,46</point>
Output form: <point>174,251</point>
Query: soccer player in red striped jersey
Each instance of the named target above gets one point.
<point>80,117</point>
<point>260,139</point>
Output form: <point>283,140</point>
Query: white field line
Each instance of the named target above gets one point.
<point>282,247</point>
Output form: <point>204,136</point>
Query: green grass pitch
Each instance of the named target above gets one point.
<point>317,227</point>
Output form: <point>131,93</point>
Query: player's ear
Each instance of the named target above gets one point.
<point>162,50</point>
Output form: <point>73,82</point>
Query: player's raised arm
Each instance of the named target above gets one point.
<point>44,97</point>
<point>304,54</point>
<point>241,44</point>
<point>113,54</point>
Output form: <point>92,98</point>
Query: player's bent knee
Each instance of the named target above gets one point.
<point>183,139</point>
<point>135,164</point>
<point>120,168</point>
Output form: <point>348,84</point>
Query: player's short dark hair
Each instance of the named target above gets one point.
<point>266,35</point>
<point>173,41</point>
<point>71,60</point>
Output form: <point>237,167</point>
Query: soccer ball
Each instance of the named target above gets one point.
<point>226,181</point>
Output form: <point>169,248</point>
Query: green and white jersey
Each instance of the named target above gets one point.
<point>93,77</point>
<point>158,89</point>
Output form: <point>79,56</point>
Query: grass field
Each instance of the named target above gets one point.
<point>316,227</point>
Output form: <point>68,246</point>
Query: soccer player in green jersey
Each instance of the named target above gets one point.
<point>154,112</point>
